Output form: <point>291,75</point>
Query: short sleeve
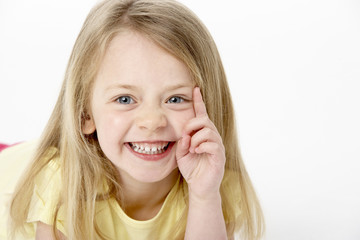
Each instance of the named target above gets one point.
<point>43,202</point>
<point>13,160</point>
<point>45,198</point>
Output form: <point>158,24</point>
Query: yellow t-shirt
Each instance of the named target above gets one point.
<point>111,219</point>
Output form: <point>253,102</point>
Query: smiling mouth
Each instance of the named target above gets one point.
<point>149,148</point>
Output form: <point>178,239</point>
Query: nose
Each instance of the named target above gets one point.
<point>151,119</point>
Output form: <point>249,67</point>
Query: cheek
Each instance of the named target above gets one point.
<point>111,127</point>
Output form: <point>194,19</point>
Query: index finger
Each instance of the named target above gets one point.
<point>199,105</point>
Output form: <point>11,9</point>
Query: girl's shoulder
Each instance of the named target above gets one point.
<point>16,159</point>
<point>14,162</point>
<point>45,199</point>
<point>46,195</point>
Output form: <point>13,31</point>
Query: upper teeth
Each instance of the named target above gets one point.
<point>148,148</point>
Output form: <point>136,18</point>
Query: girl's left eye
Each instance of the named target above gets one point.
<point>125,100</point>
<point>175,100</point>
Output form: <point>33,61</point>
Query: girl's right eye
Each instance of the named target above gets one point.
<point>125,100</point>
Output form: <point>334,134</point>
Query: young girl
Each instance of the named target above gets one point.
<point>142,141</point>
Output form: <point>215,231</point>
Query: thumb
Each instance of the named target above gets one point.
<point>182,147</point>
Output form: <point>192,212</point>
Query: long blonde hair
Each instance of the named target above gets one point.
<point>84,167</point>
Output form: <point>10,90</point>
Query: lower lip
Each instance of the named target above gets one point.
<point>151,157</point>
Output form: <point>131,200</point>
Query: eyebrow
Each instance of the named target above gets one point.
<point>132,87</point>
<point>125,86</point>
<point>177,86</point>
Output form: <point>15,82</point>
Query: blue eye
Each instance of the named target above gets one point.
<point>175,100</point>
<point>125,100</point>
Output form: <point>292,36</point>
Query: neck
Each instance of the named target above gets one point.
<point>142,200</point>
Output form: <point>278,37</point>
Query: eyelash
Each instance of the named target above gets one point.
<point>181,99</point>
<point>130,100</point>
<point>125,97</point>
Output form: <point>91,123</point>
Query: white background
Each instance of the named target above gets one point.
<point>294,72</point>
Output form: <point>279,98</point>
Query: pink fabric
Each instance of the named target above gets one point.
<point>3,146</point>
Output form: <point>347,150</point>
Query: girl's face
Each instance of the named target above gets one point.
<point>142,99</point>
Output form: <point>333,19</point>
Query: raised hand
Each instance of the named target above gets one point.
<point>200,153</point>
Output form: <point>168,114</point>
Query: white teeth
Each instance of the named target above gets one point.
<point>146,149</point>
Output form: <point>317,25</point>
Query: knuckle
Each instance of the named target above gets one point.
<point>217,147</point>
<point>208,131</point>
<point>205,118</point>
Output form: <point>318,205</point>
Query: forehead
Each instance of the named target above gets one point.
<point>133,57</point>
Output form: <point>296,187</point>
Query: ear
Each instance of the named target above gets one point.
<point>88,126</point>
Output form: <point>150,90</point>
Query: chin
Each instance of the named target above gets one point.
<point>149,176</point>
